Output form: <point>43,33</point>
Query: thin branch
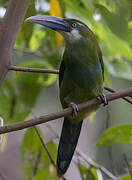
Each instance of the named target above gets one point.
<point>96,166</point>
<point>113,91</point>
<point>65,112</point>
<point>36,70</point>
<point>39,70</point>
<point>128,165</point>
<point>45,147</point>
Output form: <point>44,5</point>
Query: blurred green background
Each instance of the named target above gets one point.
<point>25,95</point>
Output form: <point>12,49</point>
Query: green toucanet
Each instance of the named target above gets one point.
<point>81,78</point>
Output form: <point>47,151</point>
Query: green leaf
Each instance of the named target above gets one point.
<point>4,142</point>
<point>37,38</point>
<point>120,69</point>
<point>36,162</point>
<point>26,28</point>
<point>30,84</point>
<point>87,173</point>
<point>112,45</point>
<point>116,22</point>
<point>125,177</point>
<point>7,96</point>
<point>116,134</point>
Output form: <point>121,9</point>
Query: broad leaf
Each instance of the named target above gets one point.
<point>116,134</point>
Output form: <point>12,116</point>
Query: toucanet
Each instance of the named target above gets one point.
<point>81,78</point>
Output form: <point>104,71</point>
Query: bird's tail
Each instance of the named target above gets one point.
<point>68,142</point>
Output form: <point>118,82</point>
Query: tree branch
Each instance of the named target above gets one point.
<point>36,70</point>
<point>65,112</point>
<point>8,31</point>
<point>112,90</point>
<point>39,70</point>
<point>96,166</point>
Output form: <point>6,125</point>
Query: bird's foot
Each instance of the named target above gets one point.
<point>103,99</point>
<point>75,108</point>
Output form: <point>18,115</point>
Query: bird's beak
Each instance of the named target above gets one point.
<point>55,23</point>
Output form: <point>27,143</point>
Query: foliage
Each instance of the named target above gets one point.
<point>117,134</point>
<point>111,22</point>
<point>35,160</point>
<point>89,173</point>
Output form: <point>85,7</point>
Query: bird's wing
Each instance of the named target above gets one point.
<point>102,65</point>
<point>61,72</point>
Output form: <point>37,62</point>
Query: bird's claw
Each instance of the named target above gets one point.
<point>103,99</point>
<point>75,108</point>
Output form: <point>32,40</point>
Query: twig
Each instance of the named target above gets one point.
<point>113,91</point>
<point>97,166</point>
<point>39,70</point>
<point>36,70</point>
<point>62,113</point>
<point>128,165</point>
<point>87,159</point>
<point>45,147</point>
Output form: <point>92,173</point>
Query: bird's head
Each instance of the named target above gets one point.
<point>70,29</point>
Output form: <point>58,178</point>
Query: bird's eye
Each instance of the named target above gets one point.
<point>74,25</point>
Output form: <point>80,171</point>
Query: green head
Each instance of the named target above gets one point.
<point>70,29</point>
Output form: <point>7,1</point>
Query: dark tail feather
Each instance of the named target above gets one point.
<point>68,142</point>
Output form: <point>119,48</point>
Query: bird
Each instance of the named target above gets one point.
<point>81,77</point>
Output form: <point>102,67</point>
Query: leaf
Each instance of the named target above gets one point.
<point>87,173</point>
<point>120,69</point>
<point>7,95</point>
<point>115,21</point>
<point>112,45</point>
<point>37,38</point>
<point>30,84</point>
<point>116,134</point>
<point>125,177</point>
<point>36,162</point>
<point>26,28</point>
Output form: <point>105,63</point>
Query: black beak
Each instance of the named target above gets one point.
<point>55,23</point>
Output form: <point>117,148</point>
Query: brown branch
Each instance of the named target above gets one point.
<point>96,166</point>
<point>8,31</point>
<point>39,70</point>
<point>36,70</point>
<point>45,147</point>
<point>112,90</point>
<point>65,112</point>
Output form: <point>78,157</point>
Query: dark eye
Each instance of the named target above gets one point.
<point>74,25</point>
